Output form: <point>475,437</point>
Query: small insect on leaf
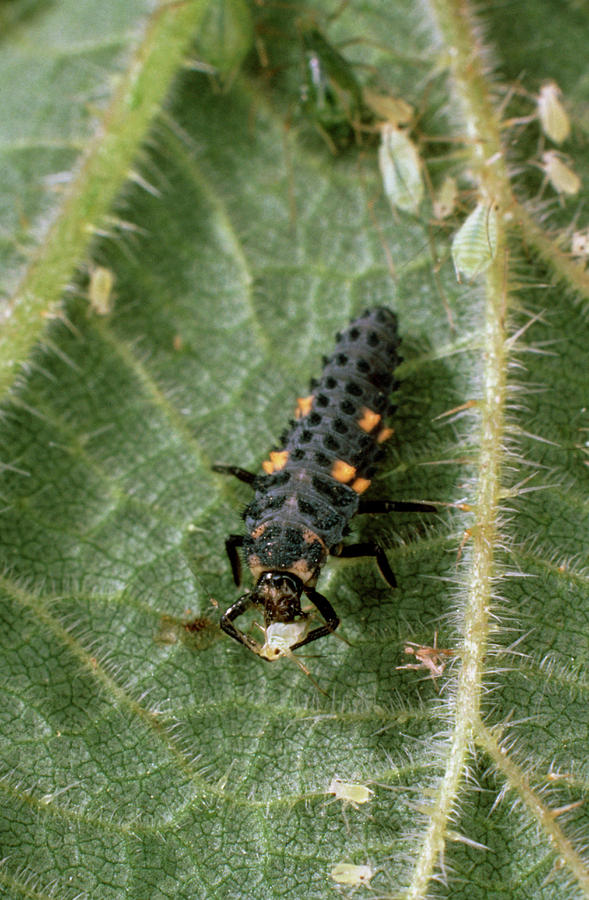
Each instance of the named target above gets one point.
<point>434,659</point>
<point>580,243</point>
<point>198,632</point>
<point>346,873</point>
<point>100,291</point>
<point>393,110</point>
<point>561,177</point>
<point>346,414</point>
<point>350,791</point>
<point>225,38</point>
<point>475,243</point>
<point>553,117</point>
<point>331,95</point>
<point>445,199</point>
<point>281,636</point>
<point>400,167</point>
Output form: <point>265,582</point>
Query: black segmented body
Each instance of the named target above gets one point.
<point>312,487</point>
<point>302,497</point>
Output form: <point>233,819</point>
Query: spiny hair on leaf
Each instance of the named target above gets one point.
<point>29,883</point>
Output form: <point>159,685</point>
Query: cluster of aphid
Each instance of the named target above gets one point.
<point>345,111</point>
<point>342,110</point>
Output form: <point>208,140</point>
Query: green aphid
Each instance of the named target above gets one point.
<point>225,38</point>
<point>349,874</point>
<point>475,243</point>
<point>330,94</point>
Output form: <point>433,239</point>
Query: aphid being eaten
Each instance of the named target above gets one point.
<point>281,636</point>
<point>312,486</point>
<point>224,39</point>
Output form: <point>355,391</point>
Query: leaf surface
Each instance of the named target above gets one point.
<point>143,754</point>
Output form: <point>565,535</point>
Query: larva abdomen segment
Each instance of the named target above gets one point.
<point>328,456</point>
<point>350,402</point>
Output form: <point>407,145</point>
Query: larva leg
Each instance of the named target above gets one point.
<point>327,611</point>
<point>385,506</point>
<point>237,472</point>
<point>233,542</point>
<point>354,551</point>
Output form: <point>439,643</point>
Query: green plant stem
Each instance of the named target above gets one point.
<point>546,817</point>
<point>487,161</point>
<point>571,271</point>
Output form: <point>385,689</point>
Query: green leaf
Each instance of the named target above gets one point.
<point>142,753</point>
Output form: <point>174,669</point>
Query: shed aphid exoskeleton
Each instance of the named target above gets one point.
<point>400,167</point>
<point>580,243</point>
<point>434,659</point>
<point>351,875</point>
<point>100,290</point>
<point>560,175</point>
<point>475,243</point>
<point>549,112</point>
<point>553,117</point>
<point>350,792</point>
<point>445,198</point>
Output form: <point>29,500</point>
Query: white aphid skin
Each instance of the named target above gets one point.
<point>346,873</point>
<point>100,290</point>
<point>444,202</point>
<point>400,167</point>
<point>475,243</point>
<point>559,174</point>
<point>554,119</point>
<point>580,243</point>
<point>350,791</point>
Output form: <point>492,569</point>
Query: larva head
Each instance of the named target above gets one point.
<point>285,623</point>
<point>280,595</point>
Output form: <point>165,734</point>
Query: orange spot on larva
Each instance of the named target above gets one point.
<point>360,485</point>
<point>369,420</point>
<point>303,407</point>
<point>384,434</point>
<point>277,461</point>
<point>342,471</point>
